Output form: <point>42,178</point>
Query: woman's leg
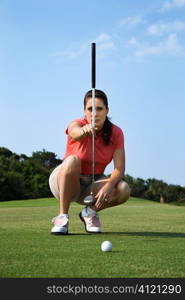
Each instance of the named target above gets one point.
<point>68,181</point>
<point>64,183</point>
<point>89,216</point>
<point>120,194</point>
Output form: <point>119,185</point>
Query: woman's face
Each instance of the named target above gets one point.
<point>100,112</point>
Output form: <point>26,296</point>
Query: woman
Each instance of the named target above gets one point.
<point>71,181</point>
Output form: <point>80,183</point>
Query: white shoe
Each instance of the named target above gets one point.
<point>91,220</point>
<point>60,224</point>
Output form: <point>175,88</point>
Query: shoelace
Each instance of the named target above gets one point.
<point>90,219</point>
<point>53,220</point>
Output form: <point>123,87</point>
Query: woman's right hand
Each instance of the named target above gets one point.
<point>88,130</point>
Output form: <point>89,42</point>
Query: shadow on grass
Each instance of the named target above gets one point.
<point>150,234</point>
<point>144,233</point>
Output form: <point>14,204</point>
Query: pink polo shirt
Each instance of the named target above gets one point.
<point>103,153</point>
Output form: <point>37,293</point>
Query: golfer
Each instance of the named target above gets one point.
<point>72,180</point>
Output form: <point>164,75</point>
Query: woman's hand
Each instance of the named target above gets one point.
<point>88,130</point>
<point>104,194</point>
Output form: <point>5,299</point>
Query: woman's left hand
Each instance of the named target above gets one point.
<point>104,194</point>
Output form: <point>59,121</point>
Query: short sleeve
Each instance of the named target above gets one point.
<point>119,138</point>
<point>81,121</point>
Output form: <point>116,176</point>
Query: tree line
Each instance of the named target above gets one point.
<point>24,177</point>
<point>156,190</point>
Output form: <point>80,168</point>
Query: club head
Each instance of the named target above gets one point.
<point>89,199</point>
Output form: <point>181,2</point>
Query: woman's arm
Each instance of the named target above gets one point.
<point>117,174</point>
<point>119,166</point>
<point>77,132</point>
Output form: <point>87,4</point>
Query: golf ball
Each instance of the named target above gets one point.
<point>106,246</point>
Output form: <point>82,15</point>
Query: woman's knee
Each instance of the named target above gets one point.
<point>123,191</point>
<point>72,164</point>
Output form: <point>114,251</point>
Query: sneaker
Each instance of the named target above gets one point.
<point>91,220</point>
<point>60,224</point>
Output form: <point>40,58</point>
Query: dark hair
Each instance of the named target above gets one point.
<point>107,127</point>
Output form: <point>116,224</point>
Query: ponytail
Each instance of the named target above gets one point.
<point>107,131</point>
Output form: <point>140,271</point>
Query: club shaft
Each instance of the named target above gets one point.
<point>93,56</point>
<point>93,139</point>
<point>88,200</point>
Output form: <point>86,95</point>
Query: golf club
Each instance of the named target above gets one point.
<point>89,198</point>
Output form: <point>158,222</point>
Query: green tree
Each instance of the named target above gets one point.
<point>46,159</point>
<point>35,179</point>
<point>11,186</point>
<point>5,152</point>
<point>156,190</point>
<point>139,187</point>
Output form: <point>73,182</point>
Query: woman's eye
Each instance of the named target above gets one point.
<point>97,109</point>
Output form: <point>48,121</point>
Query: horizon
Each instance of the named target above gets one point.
<point>57,157</point>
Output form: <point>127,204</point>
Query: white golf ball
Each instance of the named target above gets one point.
<point>106,246</point>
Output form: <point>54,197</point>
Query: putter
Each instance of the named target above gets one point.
<point>89,199</point>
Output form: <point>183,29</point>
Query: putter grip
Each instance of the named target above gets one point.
<point>93,65</point>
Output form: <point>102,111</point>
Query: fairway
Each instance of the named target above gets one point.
<point>148,241</point>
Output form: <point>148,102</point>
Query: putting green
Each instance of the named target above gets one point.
<point>148,241</point>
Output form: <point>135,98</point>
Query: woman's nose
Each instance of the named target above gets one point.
<point>95,112</point>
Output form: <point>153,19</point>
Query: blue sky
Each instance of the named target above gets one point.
<point>45,67</point>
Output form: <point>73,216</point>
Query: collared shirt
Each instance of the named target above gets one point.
<point>103,153</point>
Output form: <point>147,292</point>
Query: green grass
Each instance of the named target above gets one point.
<point>148,241</point>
